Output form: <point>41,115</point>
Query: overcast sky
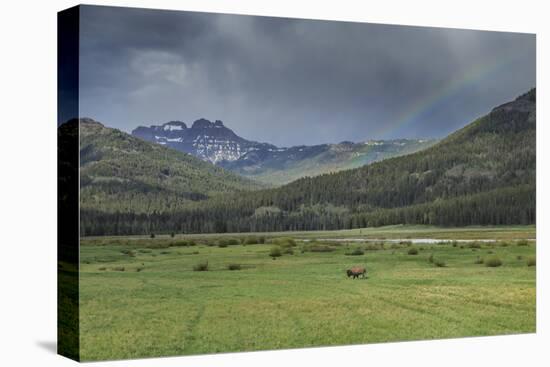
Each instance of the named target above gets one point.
<point>292,81</point>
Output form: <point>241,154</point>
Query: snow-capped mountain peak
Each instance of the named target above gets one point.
<point>210,141</point>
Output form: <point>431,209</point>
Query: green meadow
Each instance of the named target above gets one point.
<point>147,297</point>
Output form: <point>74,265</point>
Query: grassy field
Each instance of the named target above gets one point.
<point>141,297</point>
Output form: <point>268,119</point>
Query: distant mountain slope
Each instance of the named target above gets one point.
<point>214,142</point>
<point>119,172</point>
<point>286,165</point>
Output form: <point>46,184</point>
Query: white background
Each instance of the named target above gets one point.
<point>28,182</point>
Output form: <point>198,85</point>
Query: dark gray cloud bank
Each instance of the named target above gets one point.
<point>291,81</point>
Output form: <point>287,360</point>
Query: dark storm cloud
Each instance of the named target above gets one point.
<point>290,81</point>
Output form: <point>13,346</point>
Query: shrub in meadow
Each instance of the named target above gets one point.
<point>413,251</point>
<point>181,243</point>
<point>275,252</point>
<point>288,251</point>
<point>234,267</point>
<point>474,245</point>
<point>532,261</point>
<point>224,242</point>
<point>493,262</point>
<point>356,252</point>
<point>440,263</point>
<point>252,240</point>
<point>285,242</point>
<point>202,266</point>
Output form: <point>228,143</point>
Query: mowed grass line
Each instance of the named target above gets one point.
<point>294,301</point>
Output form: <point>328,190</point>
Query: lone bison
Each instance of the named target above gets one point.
<point>356,271</point>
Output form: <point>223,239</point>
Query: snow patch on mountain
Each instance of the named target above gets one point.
<point>173,127</point>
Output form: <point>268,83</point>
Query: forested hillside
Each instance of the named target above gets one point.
<point>121,173</point>
<point>481,174</point>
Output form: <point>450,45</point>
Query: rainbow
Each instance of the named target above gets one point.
<point>440,96</point>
